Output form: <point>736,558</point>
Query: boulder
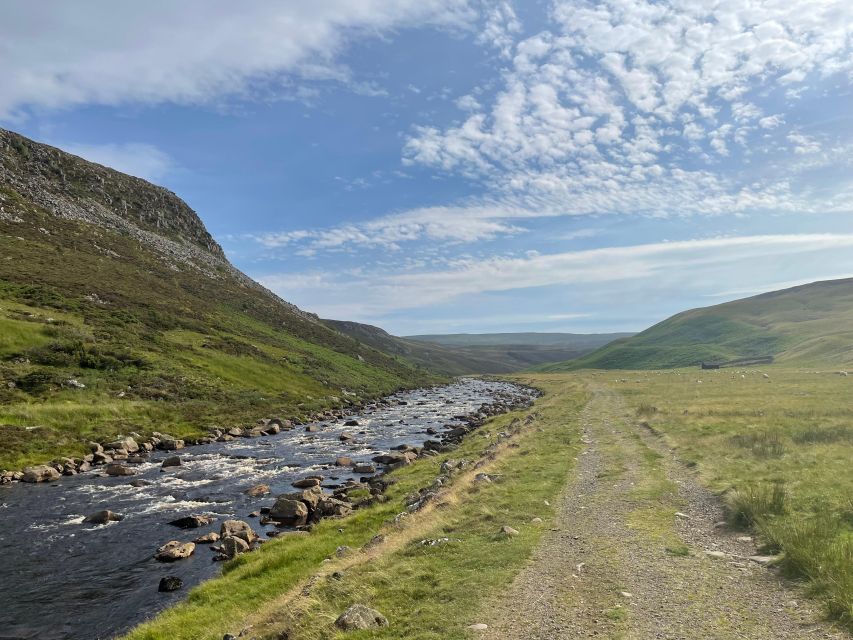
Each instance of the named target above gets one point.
<point>364,468</point>
<point>192,522</point>
<point>345,437</point>
<point>170,444</point>
<point>289,512</point>
<point>96,447</point>
<point>343,461</point>
<point>309,496</point>
<point>237,529</point>
<point>391,458</point>
<point>128,445</point>
<point>359,617</point>
<point>306,483</point>
<point>332,507</point>
<point>509,531</point>
<point>207,538</point>
<point>119,470</point>
<point>174,550</point>
<point>171,461</point>
<point>103,517</point>
<point>235,432</point>
<point>257,491</point>
<point>170,583</point>
<point>99,457</point>
<point>233,546</point>
<point>351,423</point>
<point>312,428</point>
<point>40,473</point>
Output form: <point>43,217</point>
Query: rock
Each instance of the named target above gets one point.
<point>626,594</point>
<point>207,538</point>
<point>334,507</point>
<point>96,447</point>
<point>174,550</point>
<point>232,546</point>
<point>359,617</point>
<point>170,583</point>
<point>170,444</point>
<point>478,627</point>
<point>40,473</point>
<point>364,468</point>
<point>536,521</point>
<point>192,522</point>
<point>99,457</point>
<point>290,512</point>
<point>237,529</point>
<point>312,428</point>
<point>311,497</point>
<point>103,517</point>
<point>258,490</point>
<point>715,554</point>
<point>171,461</point>
<point>343,461</point>
<point>306,483</point>
<point>139,483</point>
<point>235,432</point>
<point>391,458</point>
<point>345,437</point>
<point>683,516</point>
<point>509,531</point>
<point>764,560</point>
<point>128,445</point>
<point>351,423</point>
<point>119,470</point>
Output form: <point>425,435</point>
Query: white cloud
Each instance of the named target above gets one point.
<point>137,159</point>
<point>59,54</point>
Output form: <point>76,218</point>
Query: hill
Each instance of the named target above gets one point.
<point>458,354</point>
<point>119,312</point>
<point>806,325</point>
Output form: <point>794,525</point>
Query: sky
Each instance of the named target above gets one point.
<point>444,166</point>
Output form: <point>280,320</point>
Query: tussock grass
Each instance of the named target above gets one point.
<point>755,504</point>
<point>762,443</point>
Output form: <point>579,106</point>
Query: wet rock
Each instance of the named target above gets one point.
<point>170,583</point>
<point>237,529</point>
<point>343,461</point>
<point>103,517</point>
<point>170,444</point>
<point>171,461</point>
<point>232,546</point>
<point>289,512</point>
<point>346,437</point>
<point>312,428</point>
<point>174,550</point>
<point>207,538</point>
<point>139,483</point>
<point>192,522</point>
<point>351,423</point>
<point>257,491</point>
<point>364,468</point>
<point>306,483</point>
<point>359,617</point>
<point>99,457</point>
<point>40,473</point>
<point>119,470</point>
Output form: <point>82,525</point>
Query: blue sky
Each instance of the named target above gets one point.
<point>462,165</point>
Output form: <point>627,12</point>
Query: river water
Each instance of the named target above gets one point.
<point>62,579</point>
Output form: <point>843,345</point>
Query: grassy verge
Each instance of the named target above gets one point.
<point>425,591</point>
<point>778,443</point>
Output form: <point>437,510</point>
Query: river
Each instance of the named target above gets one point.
<point>63,579</point>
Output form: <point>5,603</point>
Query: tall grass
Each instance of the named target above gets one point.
<point>757,503</point>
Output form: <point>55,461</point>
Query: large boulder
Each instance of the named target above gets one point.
<point>103,517</point>
<point>237,529</point>
<point>119,470</point>
<point>333,507</point>
<point>40,473</point>
<point>170,444</point>
<point>306,483</point>
<point>174,550</point>
<point>258,490</point>
<point>391,458</point>
<point>359,617</point>
<point>290,512</point>
<point>233,546</point>
<point>170,583</point>
<point>127,444</point>
<point>192,522</point>
<point>171,461</point>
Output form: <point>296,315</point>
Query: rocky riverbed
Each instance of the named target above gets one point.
<point>92,554</point>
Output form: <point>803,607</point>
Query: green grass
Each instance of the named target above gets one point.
<point>807,325</point>
<point>778,449</point>
<point>427,592</point>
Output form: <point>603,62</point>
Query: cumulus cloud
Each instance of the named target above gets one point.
<point>59,54</point>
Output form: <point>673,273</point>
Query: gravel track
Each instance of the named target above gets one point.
<point>620,564</point>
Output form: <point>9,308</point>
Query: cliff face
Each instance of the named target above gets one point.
<point>70,187</point>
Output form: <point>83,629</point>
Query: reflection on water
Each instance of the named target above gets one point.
<point>63,579</point>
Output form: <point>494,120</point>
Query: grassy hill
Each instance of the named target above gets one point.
<point>806,325</point>
<point>119,312</point>
<point>458,354</point>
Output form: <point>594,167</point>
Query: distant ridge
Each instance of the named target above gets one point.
<point>810,324</point>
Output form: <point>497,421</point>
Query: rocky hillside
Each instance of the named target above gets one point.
<point>809,325</point>
<point>120,312</point>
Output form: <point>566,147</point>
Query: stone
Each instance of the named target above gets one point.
<point>237,529</point>
<point>359,617</point>
<point>715,554</point>
<point>364,468</point>
<point>232,546</point>
<point>391,458</point>
<point>334,507</point>
<point>192,522</point>
<point>128,445</point>
<point>258,490</point>
<point>174,550</point>
<point>509,531</point>
<point>763,560</point>
<point>312,428</point>
<point>170,444</point>
<point>479,626</point>
<point>536,521</point>
<point>351,423</point>
<point>290,512</point>
<point>103,517</point>
<point>306,483</point>
<point>119,470</point>
<point>626,594</point>
<point>96,447</point>
<point>170,583</point>
<point>171,461</point>
<point>207,538</point>
<point>343,461</point>
<point>40,473</point>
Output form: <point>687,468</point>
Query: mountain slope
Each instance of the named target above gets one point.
<point>809,325</point>
<point>119,312</point>
<point>457,354</point>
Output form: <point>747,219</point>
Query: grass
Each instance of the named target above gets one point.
<point>777,448</point>
<point>427,592</point>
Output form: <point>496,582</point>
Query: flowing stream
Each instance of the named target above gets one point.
<point>63,579</point>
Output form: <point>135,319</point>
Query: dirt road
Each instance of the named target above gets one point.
<point>635,554</point>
